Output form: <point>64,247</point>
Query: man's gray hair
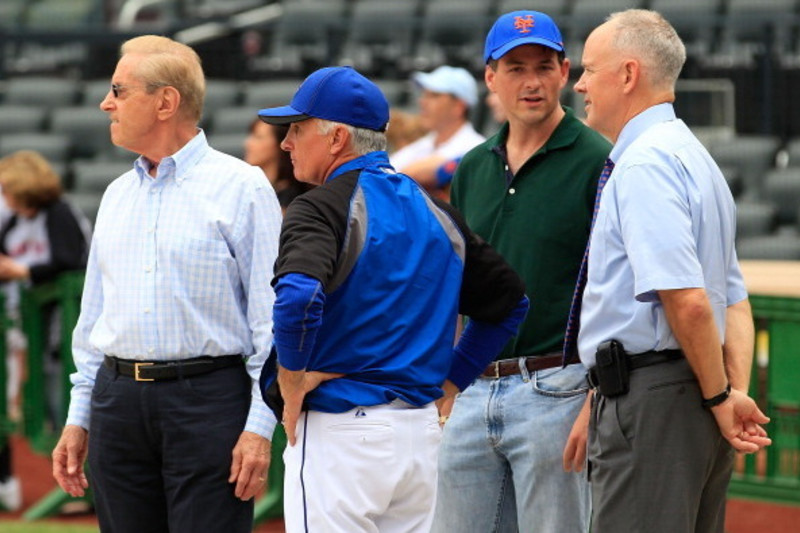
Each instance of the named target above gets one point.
<point>362,140</point>
<point>648,34</point>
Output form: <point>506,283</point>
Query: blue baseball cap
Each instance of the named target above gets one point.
<point>518,28</point>
<point>338,94</point>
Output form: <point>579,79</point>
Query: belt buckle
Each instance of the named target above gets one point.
<point>496,365</point>
<point>136,369</point>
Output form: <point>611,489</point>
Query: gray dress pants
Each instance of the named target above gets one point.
<point>658,463</point>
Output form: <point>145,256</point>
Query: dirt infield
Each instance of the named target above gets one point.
<point>34,471</point>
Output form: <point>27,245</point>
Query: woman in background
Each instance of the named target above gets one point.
<point>43,238</point>
<point>262,149</point>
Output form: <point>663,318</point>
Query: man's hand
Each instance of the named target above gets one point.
<point>739,420</point>
<point>68,458</point>
<point>575,449</point>
<point>251,457</point>
<point>445,403</point>
<point>294,386</point>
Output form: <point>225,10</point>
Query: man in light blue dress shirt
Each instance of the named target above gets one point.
<point>664,283</point>
<point>175,320</point>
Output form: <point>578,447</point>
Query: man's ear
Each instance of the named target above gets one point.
<point>339,140</point>
<point>631,71</point>
<point>169,103</point>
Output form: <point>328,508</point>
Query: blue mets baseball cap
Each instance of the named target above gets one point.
<point>338,94</point>
<point>518,28</point>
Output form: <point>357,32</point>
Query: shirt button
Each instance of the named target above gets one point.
<point>151,351</point>
<point>512,191</point>
<point>148,269</point>
<point>147,310</point>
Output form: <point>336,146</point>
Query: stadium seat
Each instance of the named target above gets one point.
<point>776,247</point>
<point>221,93</point>
<point>87,202</point>
<point>306,35</point>
<point>755,219</point>
<point>782,188</point>
<point>750,28</point>
<point>261,94</point>
<point>53,147</point>
<point>229,143</point>
<point>87,126</point>
<point>235,120</point>
<point>63,14</point>
<point>94,176</point>
<point>557,9</point>
<point>46,91</point>
<point>696,21</point>
<point>381,36</point>
<point>793,152</point>
<point>12,12</point>
<point>449,31</point>
<point>753,155</point>
<point>586,15</point>
<point>21,118</point>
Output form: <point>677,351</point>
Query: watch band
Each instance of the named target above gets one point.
<point>714,401</point>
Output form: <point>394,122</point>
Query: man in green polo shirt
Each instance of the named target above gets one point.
<point>515,441</point>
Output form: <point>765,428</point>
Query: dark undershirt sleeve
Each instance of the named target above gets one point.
<point>314,229</point>
<point>490,288</point>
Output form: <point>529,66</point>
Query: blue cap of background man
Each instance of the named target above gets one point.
<point>338,94</point>
<point>518,28</point>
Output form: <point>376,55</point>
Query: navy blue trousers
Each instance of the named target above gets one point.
<point>160,452</point>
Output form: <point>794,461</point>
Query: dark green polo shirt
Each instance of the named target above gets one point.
<point>539,221</point>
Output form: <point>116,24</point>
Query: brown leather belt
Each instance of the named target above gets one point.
<point>170,370</point>
<point>510,367</point>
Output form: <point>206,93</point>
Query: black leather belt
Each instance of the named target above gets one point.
<point>510,367</point>
<point>640,360</point>
<point>170,370</point>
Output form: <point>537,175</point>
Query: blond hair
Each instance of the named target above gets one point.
<point>170,63</point>
<point>28,178</point>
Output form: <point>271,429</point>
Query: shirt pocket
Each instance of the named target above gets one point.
<point>199,269</point>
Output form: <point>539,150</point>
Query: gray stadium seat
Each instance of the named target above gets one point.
<point>555,8</point>
<point>49,91</point>
<point>777,247</point>
<point>734,179</point>
<point>232,120</point>
<point>793,152</point>
<point>94,176</point>
<point>229,143</point>
<point>586,15</point>
<point>755,219</point>
<point>95,91</point>
<point>63,14</point>
<point>748,24</point>
<point>21,118</point>
<point>782,188</point>
<point>87,202</point>
<point>305,34</point>
<point>53,147</point>
<point>12,12</point>
<point>696,21</point>
<point>261,94</point>
<point>87,126</point>
<point>753,155</point>
<point>221,93</point>
<point>449,31</point>
<point>381,36</point>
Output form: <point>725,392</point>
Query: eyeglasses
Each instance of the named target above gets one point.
<point>116,87</point>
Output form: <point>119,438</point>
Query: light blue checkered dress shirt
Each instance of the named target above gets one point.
<point>180,266</point>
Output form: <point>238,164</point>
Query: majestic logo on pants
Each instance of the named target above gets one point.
<point>360,412</point>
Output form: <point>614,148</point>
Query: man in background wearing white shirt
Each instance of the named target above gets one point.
<point>448,94</point>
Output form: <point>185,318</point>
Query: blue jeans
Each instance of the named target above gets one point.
<point>500,462</point>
